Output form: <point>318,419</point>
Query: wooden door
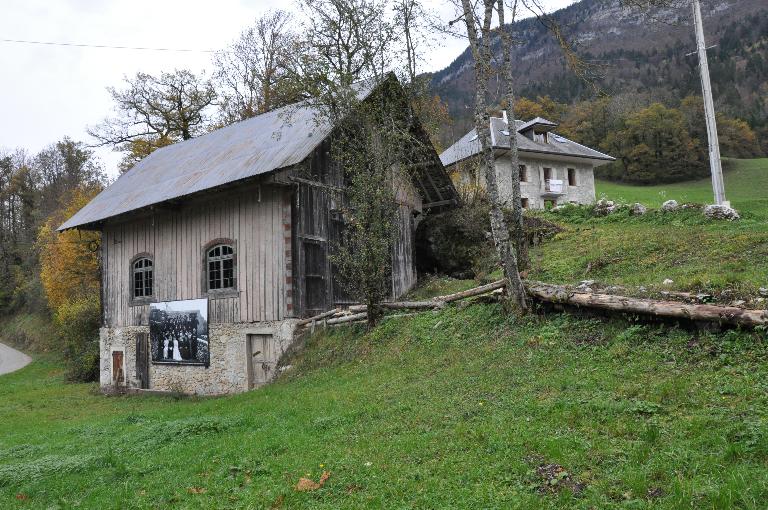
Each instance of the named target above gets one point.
<point>261,359</point>
<point>142,360</point>
<point>315,271</point>
<point>118,374</point>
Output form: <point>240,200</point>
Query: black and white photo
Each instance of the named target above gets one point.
<point>179,332</point>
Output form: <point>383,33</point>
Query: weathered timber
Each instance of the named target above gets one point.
<point>347,318</point>
<point>319,317</point>
<point>472,292</point>
<point>674,309</point>
<point>176,240</point>
<point>413,305</point>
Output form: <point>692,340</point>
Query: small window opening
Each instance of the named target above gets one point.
<point>571,177</point>
<point>142,278</point>
<point>547,178</point>
<point>523,173</point>
<point>221,267</point>
<point>524,203</point>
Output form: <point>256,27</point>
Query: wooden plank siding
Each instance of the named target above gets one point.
<point>254,219</point>
<point>318,224</point>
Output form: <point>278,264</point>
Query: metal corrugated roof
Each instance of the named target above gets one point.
<point>469,145</point>
<point>262,144</point>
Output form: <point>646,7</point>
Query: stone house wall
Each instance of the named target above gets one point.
<point>226,373</point>
<point>466,177</point>
<point>582,193</point>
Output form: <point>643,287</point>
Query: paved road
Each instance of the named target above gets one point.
<point>11,359</point>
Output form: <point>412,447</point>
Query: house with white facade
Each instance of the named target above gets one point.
<point>553,169</point>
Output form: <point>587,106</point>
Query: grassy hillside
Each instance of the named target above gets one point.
<point>746,185</point>
<point>728,258</point>
<point>464,408</point>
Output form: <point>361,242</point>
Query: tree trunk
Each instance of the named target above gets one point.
<point>518,229</point>
<point>673,309</point>
<point>480,46</point>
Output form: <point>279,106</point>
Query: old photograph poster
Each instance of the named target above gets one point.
<point>178,332</point>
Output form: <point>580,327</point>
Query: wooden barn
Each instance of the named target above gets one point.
<point>213,247</point>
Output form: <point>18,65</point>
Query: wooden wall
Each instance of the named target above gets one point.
<point>257,219</point>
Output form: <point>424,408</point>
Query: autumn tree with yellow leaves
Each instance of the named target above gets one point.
<point>69,272</point>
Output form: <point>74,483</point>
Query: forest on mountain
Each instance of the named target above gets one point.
<point>637,94</point>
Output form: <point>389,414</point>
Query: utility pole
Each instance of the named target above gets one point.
<point>709,110</point>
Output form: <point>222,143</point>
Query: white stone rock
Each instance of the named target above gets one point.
<point>721,212</point>
<point>667,281</point>
<point>670,206</point>
<point>638,209</point>
<point>763,291</point>
<point>605,207</point>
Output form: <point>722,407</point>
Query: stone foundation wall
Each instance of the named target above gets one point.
<point>228,370</point>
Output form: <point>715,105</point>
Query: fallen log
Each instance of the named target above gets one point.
<point>318,317</point>
<point>472,292</point>
<point>347,318</point>
<point>413,305</point>
<point>673,309</point>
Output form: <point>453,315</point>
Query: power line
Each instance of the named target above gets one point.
<point>101,46</point>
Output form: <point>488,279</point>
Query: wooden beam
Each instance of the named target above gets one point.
<point>439,203</point>
<point>483,289</point>
<point>318,317</point>
<point>316,184</point>
<point>348,318</point>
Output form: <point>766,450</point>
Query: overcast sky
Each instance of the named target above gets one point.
<point>48,92</point>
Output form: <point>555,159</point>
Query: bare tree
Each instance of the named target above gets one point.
<point>350,46</point>
<point>251,74</point>
<point>518,228</point>
<point>481,52</point>
<point>153,111</point>
<point>346,40</point>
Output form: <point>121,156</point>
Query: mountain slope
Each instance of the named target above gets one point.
<point>631,52</point>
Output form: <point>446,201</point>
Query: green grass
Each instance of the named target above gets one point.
<point>455,409</point>
<point>746,186</point>
<point>696,253</point>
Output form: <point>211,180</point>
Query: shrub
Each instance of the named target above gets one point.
<point>459,242</point>
<point>77,323</point>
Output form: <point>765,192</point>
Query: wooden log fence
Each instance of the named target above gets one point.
<point>562,294</point>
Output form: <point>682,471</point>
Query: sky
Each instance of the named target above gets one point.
<point>48,92</point>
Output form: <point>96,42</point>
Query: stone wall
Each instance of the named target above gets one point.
<point>228,370</point>
<point>582,193</point>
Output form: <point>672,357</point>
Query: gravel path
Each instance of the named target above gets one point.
<point>11,359</point>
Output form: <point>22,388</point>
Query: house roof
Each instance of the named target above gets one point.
<point>271,141</point>
<point>469,144</point>
<point>537,122</point>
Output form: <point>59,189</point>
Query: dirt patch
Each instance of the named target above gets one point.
<point>655,493</point>
<point>554,478</point>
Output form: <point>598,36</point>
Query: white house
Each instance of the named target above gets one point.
<point>553,169</point>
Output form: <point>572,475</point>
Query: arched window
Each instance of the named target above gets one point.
<point>142,277</point>
<point>221,267</point>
